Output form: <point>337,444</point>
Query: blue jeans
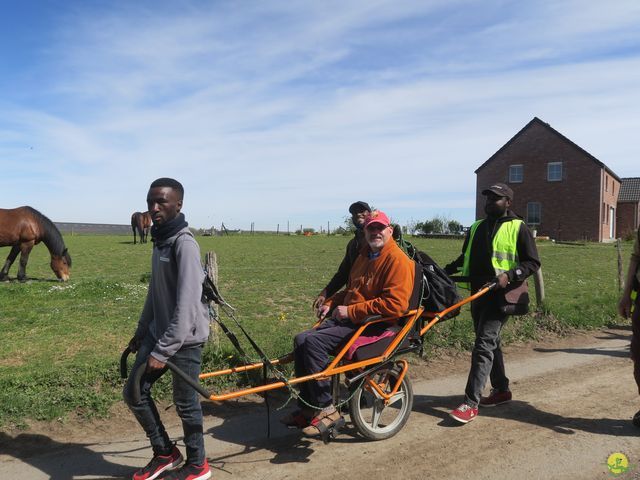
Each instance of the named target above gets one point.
<point>185,398</point>
<point>486,358</point>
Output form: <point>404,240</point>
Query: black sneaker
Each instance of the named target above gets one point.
<point>190,472</point>
<point>636,419</point>
<point>159,464</point>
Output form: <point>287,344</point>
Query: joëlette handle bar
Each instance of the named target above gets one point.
<point>139,372</point>
<point>141,369</point>
<point>123,362</point>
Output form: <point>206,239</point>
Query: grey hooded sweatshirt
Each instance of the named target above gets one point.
<point>173,313</point>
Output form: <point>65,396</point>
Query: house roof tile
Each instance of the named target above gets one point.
<point>629,190</point>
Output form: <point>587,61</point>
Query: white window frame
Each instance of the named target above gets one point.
<point>512,178</point>
<point>554,164</point>
<point>530,205</point>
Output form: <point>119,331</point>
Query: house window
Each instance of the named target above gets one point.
<point>516,173</point>
<point>534,213</point>
<point>554,171</point>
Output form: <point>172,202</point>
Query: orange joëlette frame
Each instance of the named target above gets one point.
<point>334,367</point>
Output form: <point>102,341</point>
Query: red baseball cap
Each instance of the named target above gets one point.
<point>377,216</point>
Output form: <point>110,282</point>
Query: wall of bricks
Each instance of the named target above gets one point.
<point>610,191</point>
<point>628,218</point>
<point>571,209</point>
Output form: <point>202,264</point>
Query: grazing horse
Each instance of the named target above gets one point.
<point>140,222</point>
<point>22,228</point>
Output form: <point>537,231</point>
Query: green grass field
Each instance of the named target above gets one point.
<point>61,342</point>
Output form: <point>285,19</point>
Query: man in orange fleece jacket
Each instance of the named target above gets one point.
<point>380,283</point>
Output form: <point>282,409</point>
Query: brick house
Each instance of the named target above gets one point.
<point>628,214</point>
<point>560,189</point>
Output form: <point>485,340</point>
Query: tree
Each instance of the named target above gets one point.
<point>454,226</point>
<point>438,225</point>
<point>348,225</point>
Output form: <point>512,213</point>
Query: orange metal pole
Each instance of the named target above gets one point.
<point>242,368</point>
<point>441,314</point>
<point>333,367</point>
<point>387,396</point>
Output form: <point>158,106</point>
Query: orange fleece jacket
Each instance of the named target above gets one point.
<point>381,286</point>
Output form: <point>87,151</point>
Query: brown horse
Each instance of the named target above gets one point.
<point>22,228</point>
<point>140,222</point>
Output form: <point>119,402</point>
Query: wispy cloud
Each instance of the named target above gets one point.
<point>276,111</point>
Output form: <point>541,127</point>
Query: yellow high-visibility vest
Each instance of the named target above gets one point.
<point>504,255</point>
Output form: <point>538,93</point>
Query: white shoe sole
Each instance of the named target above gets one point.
<point>204,476</point>
<point>168,467</point>
<point>457,419</point>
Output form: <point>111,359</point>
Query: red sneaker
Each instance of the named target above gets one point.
<point>159,464</point>
<point>190,472</point>
<point>496,397</point>
<point>464,413</point>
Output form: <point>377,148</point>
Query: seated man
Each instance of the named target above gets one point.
<point>380,283</point>
<point>359,212</point>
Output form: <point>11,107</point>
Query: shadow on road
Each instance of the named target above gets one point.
<point>52,457</point>
<point>608,334</point>
<point>246,426</point>
<point>525,412</point>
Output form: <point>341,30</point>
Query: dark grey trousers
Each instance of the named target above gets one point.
<point>486,358</point>
<point>186,400</point>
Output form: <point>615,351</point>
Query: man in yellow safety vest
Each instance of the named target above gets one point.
<point>500,249</point>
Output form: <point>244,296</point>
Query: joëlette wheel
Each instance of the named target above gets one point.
<point>373,418</point>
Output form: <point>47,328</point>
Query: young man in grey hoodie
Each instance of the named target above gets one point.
<point>174,325</point>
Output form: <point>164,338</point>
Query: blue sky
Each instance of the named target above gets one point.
<point>276,111</point>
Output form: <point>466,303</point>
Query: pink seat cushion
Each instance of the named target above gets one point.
<point>363,340</point>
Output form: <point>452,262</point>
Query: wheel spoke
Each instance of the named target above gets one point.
<point>398,397</point>
<point>377,409</point>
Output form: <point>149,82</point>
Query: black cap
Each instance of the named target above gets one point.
<point>499,189</point>
<point>358,207</point>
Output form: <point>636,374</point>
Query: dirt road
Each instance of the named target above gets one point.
<point>573,400</point>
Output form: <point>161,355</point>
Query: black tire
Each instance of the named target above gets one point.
<point>375,420</point>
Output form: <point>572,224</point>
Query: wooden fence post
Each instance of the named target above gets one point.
<point>620,273</point>
<point>211,262</point>
<point>539,283</point>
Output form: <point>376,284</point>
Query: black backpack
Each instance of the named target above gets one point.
<point>440,291</point>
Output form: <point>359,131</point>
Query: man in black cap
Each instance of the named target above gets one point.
<point>359,212</point>
<point>500,249</point>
